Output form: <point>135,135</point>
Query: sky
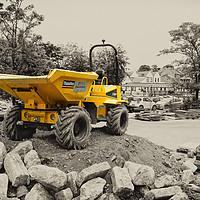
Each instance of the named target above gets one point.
<point>140,26</point>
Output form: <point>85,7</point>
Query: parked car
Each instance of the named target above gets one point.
<point>173,104</point>
<point>141,103</point>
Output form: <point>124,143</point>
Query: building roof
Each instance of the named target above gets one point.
<point>142,73</point>
<point>126,80</point>
<point>154,73</point>
<point>137,79</point>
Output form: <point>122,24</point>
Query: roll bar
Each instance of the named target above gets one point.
<point>116,58</point>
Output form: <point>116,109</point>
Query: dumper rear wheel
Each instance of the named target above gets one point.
<point>10,127</point>
<point>117,120</point>
<point>73,128</point>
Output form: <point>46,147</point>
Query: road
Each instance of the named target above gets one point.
<point>170,134</point>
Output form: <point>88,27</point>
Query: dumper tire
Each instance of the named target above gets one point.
<point>10,127</point>
<point>73,128</point>
<point>117,120</point>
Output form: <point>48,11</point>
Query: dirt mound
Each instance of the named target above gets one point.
<point>102,147</point>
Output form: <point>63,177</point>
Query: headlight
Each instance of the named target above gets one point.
<point>52,117</point>
<point>26,115</point>
<point>36,119</point>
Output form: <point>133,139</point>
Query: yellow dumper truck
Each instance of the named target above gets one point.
<point>68,101</point>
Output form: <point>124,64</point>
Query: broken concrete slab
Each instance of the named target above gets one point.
<point>140,174</point>
<point>96,170</point>
<point>186,147</point>
<point>50,177</point>
<point>190,165</point>
<point>23,148</point>
<point>3,153</point>
<point>22,190</point>
<point>92,189</point>
<point>162,193</point>
<point>65,194</point>
<point>165,181</point>
<point>145,176</point>
<point>72,178</point>
<point>180,196</point>
<point>31,159</point>
<point>187,176</point>
<point>121,180</point>
<point>197,163</point>
<point>132,168</point>
<point>39,192</point>
<point>3,185</point>
<point>194,187</point>
<point>16,170</point>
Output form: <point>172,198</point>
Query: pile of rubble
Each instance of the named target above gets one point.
<point>163,115</point>
<point>23,176</point>
<point>149,116</point>
<point>187,114</point>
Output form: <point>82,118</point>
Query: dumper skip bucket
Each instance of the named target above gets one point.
<point>58,86</point>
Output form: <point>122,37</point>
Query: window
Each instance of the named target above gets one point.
<point>128,88</point>
<point>133,88</point>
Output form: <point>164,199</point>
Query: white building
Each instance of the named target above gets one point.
<point>146,83</point>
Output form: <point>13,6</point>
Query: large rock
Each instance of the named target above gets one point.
<point>96,170</point>
<point>65,194</point>
<point>187,176</point>
<point>31,159</point>
<point>197,163</point>
<point>132,168</point>
<point>38,192</point>
<point>189,146</point>
<point>23,148</point>
<point>194,187</point>
<point>3,185</point>
<point>165,181</point>
<point>140,174</point>
<point>121,180</point>
<point>180,196</point>
<point>17,172</point>
<point>50,177</point>
<point>3,153</point>
<point>22,190</point>
<point>92,189</point>
<point>189,165</point>
<point>163,193</point>
<point>72,177</point>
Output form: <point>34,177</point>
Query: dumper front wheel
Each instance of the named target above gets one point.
<point>73,128</point>
<point>117,120</point>
<point>10,127</point>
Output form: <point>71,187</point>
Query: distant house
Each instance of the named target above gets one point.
<point>156,77</point>
<point>169,74</point>
<point>146,83</point>
<point>185,79</point>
